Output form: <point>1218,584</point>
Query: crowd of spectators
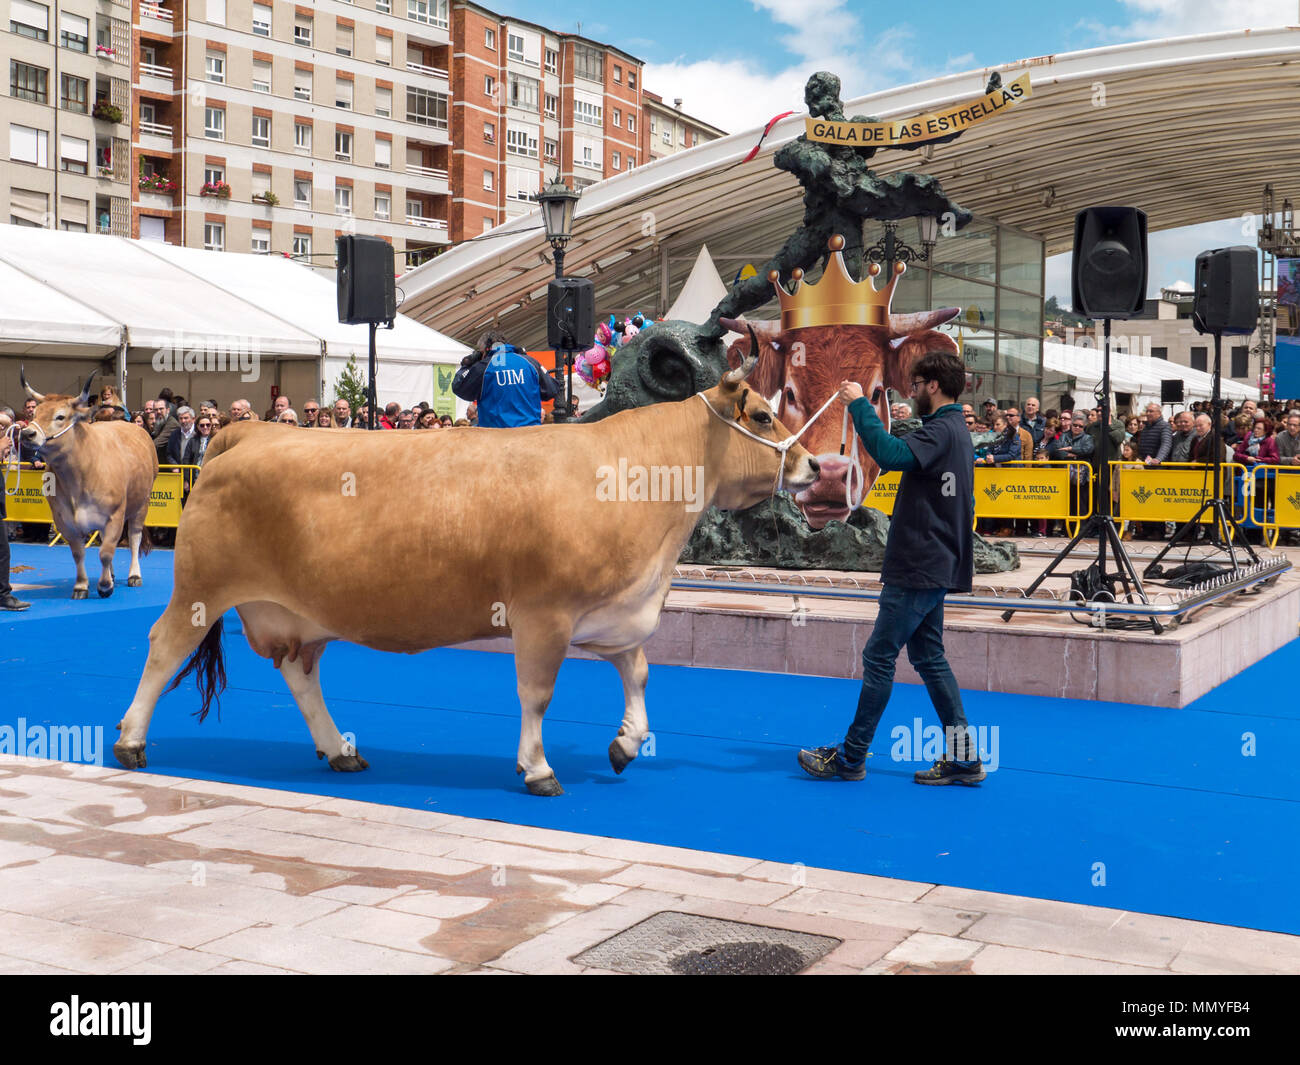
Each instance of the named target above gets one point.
<point>1251,434</point>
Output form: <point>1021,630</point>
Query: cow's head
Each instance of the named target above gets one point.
<point>54,414</point>
<point>803,368</point>
<point>748,470</point>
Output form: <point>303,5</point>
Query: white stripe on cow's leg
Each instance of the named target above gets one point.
<point>634,671</point>
<point>540,646</point>
<point>135,533</point>
<point>307,694</point>
<point>109,536</point>
<point>78,544</point>
<point>171,640</point>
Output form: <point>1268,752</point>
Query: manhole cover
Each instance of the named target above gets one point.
<point>685,944</point>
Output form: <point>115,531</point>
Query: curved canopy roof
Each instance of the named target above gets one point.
<point>1189,129</point>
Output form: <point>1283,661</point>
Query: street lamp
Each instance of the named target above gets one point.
<point>889,249</point>
<point>559,202</point>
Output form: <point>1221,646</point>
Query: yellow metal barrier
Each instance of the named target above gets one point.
<point>33,487</point>
<point>1275,499</point>
<point>884,492</point>
<point>1172,491</point>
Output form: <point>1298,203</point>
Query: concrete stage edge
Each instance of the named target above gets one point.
<point>1029,655</point>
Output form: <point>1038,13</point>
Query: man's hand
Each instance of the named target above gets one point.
<point>1150,461</point>
<point>849,391</point>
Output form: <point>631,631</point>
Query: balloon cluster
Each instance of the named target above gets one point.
<point>594,364</point>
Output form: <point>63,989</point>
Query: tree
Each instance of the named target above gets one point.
<point>351,386</point>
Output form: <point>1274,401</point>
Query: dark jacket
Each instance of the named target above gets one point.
<point>175,456</point>
<point>1155,441</point>
<point>162,437</point>
<point>1093,429</point>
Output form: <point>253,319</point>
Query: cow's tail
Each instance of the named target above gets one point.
<point>209,667</point>
<point>146,545</point>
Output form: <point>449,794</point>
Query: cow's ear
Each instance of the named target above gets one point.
<point>904,352</point>
<point>768,376</point>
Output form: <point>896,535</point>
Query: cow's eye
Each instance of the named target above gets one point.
<point>763,418</point>
<point>790,398</point>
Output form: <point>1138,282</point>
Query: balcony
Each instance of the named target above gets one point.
<point>426,223</point>
<point>157,200</point>
<point>155,136</point>
<point>426,171</point>
<point>420,68</point>
<point>155,78</point>
<point>156,18</point>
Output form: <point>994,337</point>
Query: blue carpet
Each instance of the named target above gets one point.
<point>1166,805</point>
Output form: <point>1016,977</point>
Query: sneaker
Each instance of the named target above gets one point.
<point>945,772</point>
<point>826,763</point>
<point>8,602</point>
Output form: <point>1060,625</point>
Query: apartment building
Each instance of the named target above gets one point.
<point>669,130</point>
<point>65,124</point>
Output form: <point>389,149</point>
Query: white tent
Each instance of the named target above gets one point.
<point>92,296</point>
<point>702,291</point>
<point>1137,374</point>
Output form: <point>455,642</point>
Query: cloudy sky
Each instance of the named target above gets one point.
<point>736,63</point>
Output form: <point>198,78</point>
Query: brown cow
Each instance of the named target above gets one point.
<point>278,512</point>
<point>103,473</point>
<point>804,368</point>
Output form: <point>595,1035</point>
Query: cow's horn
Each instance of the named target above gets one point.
<point>84,398</point>
<point>734,377</point>
<point>22,377</point>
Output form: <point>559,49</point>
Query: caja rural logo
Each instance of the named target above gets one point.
<point>993,491</point>
<point>1142,494</point>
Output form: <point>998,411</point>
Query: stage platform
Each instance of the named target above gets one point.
<point>1032,654</point>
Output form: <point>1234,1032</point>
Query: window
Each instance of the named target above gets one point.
<point>552,151</point>
<point>301,192</point>
<point>74,32</point>
<point>590,113</point>
<point>618,161</point>
<point>515,47</point>
<point>74,153</point>
<point>489,85</point>
<point>29,20</point>
<point>343,199</point>
<point>668,135</point>
<point>302,25</point>
<point>261,75</point>
<point>426,108</point>
<point>262,20</point>
<point>1160,353</point>
<point>148,115</point>
<point>631,79</point>
<point>261,182</point>
<point>384,154</point>
<point>521,142</point>
<point>302,137</point>
<point>654,125</point>
<point>261,242</point>
<point>1200,358</point>
<point>214,123</point>
<point>29,208</point>
<point>489,180</point>
<point>343,94</point>
<point>588,63</point>
<point>302,245</point>
<point>1241,362</point>
<point>588,156</point>
<point>215,67</point>
<point>384,103</point>
<point>490,39</point>
<point>73,93</point>
<point>630,162</point>
<point>217,12</point>
<point>631,123</point>
<point>523,92</point>
<point>27,82</point>
<point>214,175</point>
<point>414,209</point>
<point>383,205</point>
<point>618,117</point>
<point>487,225</point>
<point>302,84</point>
<point>552,61</point>
<point>618,74</point>
<point>552,106</point>
<point>430,12</point>
<point>520,184</point>
<point>343,146</point>
<point>343,40</point>
<point>214,236</point>
<point>384,6</point>
<point>261,131</point>
<point>384,51</point>
<point>490,132</point>
<point>74,214</point>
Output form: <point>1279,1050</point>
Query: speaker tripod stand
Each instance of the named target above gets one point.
<point>1223,522</point>
<point>1101,526</point>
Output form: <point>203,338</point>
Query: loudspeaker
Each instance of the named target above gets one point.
<point>1171,390</point>
<point>366,288</point>
<point>571,314</point>
<point>1108,272</point>
<point>1227,291</point>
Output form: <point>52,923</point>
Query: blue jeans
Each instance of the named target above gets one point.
<point>911,617</point>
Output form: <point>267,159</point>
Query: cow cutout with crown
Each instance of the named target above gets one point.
<point>830,331</point>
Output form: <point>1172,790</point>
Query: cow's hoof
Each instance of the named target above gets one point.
<point>618,757</point>
<point>130,755</point>
<point>134,582</point>
<point>80,593</point>
<point>547,786</point>
<point>104,590</point>
<point>347,763</point>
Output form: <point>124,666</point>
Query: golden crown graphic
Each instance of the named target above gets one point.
<point>836,299</point>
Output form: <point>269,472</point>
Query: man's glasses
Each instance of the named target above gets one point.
<point>918,383</point>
